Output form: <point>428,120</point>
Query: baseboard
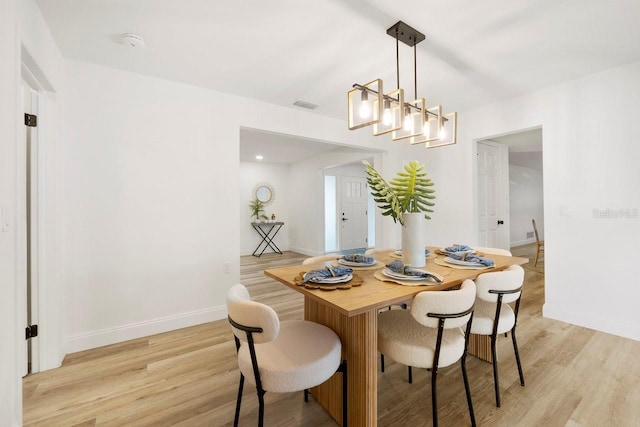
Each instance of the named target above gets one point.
<point>522,242</point>
<point>304,251</point>
<point>142,329</point>
<point>591,321</point>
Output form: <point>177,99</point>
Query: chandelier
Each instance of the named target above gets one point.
<point>412,120</point>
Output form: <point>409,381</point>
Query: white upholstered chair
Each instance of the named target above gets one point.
<point>430,334</point>
<point>492,251</point>
<point>320,258</point>
<point>493,315</point>
<point>373,251</point>
<point>281,357</point>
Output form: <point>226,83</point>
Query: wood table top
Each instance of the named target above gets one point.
<point>375,294</point>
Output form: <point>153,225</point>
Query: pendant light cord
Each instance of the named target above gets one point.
<point>397,62</point>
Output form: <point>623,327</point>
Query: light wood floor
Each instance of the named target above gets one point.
<point>574,376</point>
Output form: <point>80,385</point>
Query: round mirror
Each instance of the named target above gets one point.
<point>264,193</point>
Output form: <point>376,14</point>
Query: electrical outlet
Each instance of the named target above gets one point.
<point>226,267</point>
<point>530,235</point>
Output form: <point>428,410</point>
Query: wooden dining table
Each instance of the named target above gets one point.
<point>352,314</point>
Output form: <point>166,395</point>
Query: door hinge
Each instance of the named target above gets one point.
<point>31,331</point>
<point>30,120</point>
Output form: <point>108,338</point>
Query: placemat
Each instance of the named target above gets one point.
<point>378,275</point>
<point>430,256</point>
<point>377,265</point>
<point>355,281</point>
<point>442,262</point>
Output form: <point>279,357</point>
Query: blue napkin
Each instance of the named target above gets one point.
<point>398,267</point>
<point>360,259</point>
<point>328,271</point>
<point>458,248</point>
<point>469,257</point>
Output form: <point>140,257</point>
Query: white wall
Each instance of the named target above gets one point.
<point>276,175</point>
<point>588,164</point>
<point>10,382</point>
<point>525,196</point>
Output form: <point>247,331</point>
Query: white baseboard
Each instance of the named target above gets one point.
<point>591,321</point>
<point>304,251</point>
<point>143,329</point>
<point>523,242</point>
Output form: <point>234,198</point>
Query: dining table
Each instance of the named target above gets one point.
<point>352,313</point>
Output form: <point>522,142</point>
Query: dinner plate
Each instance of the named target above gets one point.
<point>355,264</point>
<point>390,273</point>
<point>465,263</point>
<point>333,280</point>
<point>399,252</point>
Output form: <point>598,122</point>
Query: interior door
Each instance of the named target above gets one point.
<point>353,213</point>
<point>493,197</point>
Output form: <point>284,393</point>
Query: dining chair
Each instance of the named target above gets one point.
<point>492,251</point>
<point>281,357</point>
<point>493,315</point>
<point>430,335</point>
<point>539,243</point>
<point>320,258</point>
<point>373,251</point>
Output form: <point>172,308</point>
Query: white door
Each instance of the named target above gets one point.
<point>493,196</point>
<point>353,213</point>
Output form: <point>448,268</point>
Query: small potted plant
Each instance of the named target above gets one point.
<point>257,210</point>
<point>407,199</point>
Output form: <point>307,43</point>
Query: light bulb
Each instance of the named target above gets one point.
<point>365,108</point>
<point>386,116</point>
<point>443,133</point>
<point>408,123</point>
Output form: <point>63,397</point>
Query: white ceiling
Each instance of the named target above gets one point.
<point>280,51</point>
<point>278,148</point>
<point>521,142</point>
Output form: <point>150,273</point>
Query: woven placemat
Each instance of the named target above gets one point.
<point>396,256</point>
<point>442,262</point>
<point>355,281</point>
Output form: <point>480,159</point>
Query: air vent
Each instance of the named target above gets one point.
<point>307,105</point>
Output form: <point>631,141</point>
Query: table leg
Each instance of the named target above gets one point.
<point>359,335</point>
<point>480,347</point>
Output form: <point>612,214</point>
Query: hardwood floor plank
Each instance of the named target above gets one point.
<point>189,377</point>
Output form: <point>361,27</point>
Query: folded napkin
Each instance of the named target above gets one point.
<point>328,271</point>
<point>398,267</point>
<point>360,259</point>
<point>458,248</point>
<point>469,257</point>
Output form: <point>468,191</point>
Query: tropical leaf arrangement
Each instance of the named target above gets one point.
<point>257,209</point>
<point>410,191</point>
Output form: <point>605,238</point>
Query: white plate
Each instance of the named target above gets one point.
<point>399,252</point>
<point>333,280</point>
<point>464,263</point>
<point>390,273</point>
<point>355,264</point>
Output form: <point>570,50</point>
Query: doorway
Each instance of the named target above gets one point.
<point>509,202</point>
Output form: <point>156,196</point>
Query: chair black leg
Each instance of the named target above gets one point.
<point>238,401</point>
<point>434,400</point>
<point>306,394</point>
<point>382,362</point>
<point>261,408</point>
<point>495,370</point>
<point>410,375</point>
<point>515,349</point>
<point>463,365</point>
<point>345,394</point>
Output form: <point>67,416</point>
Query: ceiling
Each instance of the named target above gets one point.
<point>279,148</point>
<point>280,51</point>
<point>522,142</point>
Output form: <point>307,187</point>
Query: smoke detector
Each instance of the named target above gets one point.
<point>132,40</point>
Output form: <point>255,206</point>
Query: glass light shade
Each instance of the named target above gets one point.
<point>415,119</point>
<point>360,115</point>
<point>448,133</point>
<point>393,100</point>
<point>432,126</point>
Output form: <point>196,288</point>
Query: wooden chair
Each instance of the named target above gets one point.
<point>493,315</point>
<point>430,334</point>
<point>313,351</point>
<point>539,243</point>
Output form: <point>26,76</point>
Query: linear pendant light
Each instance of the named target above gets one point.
<point>369,105</point>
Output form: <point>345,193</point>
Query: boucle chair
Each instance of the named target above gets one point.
<point>281,357</point>
<point>493,251</point>
<point>320,258</point>
<point>429,335</point>
<point>374,251</point>
<point>493,315</point>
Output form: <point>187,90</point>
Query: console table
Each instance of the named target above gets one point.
<point>268,231</point>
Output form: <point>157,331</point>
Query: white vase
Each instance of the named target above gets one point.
<point>413,239</point>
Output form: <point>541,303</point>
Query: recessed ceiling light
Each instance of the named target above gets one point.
<point>259,157</point>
